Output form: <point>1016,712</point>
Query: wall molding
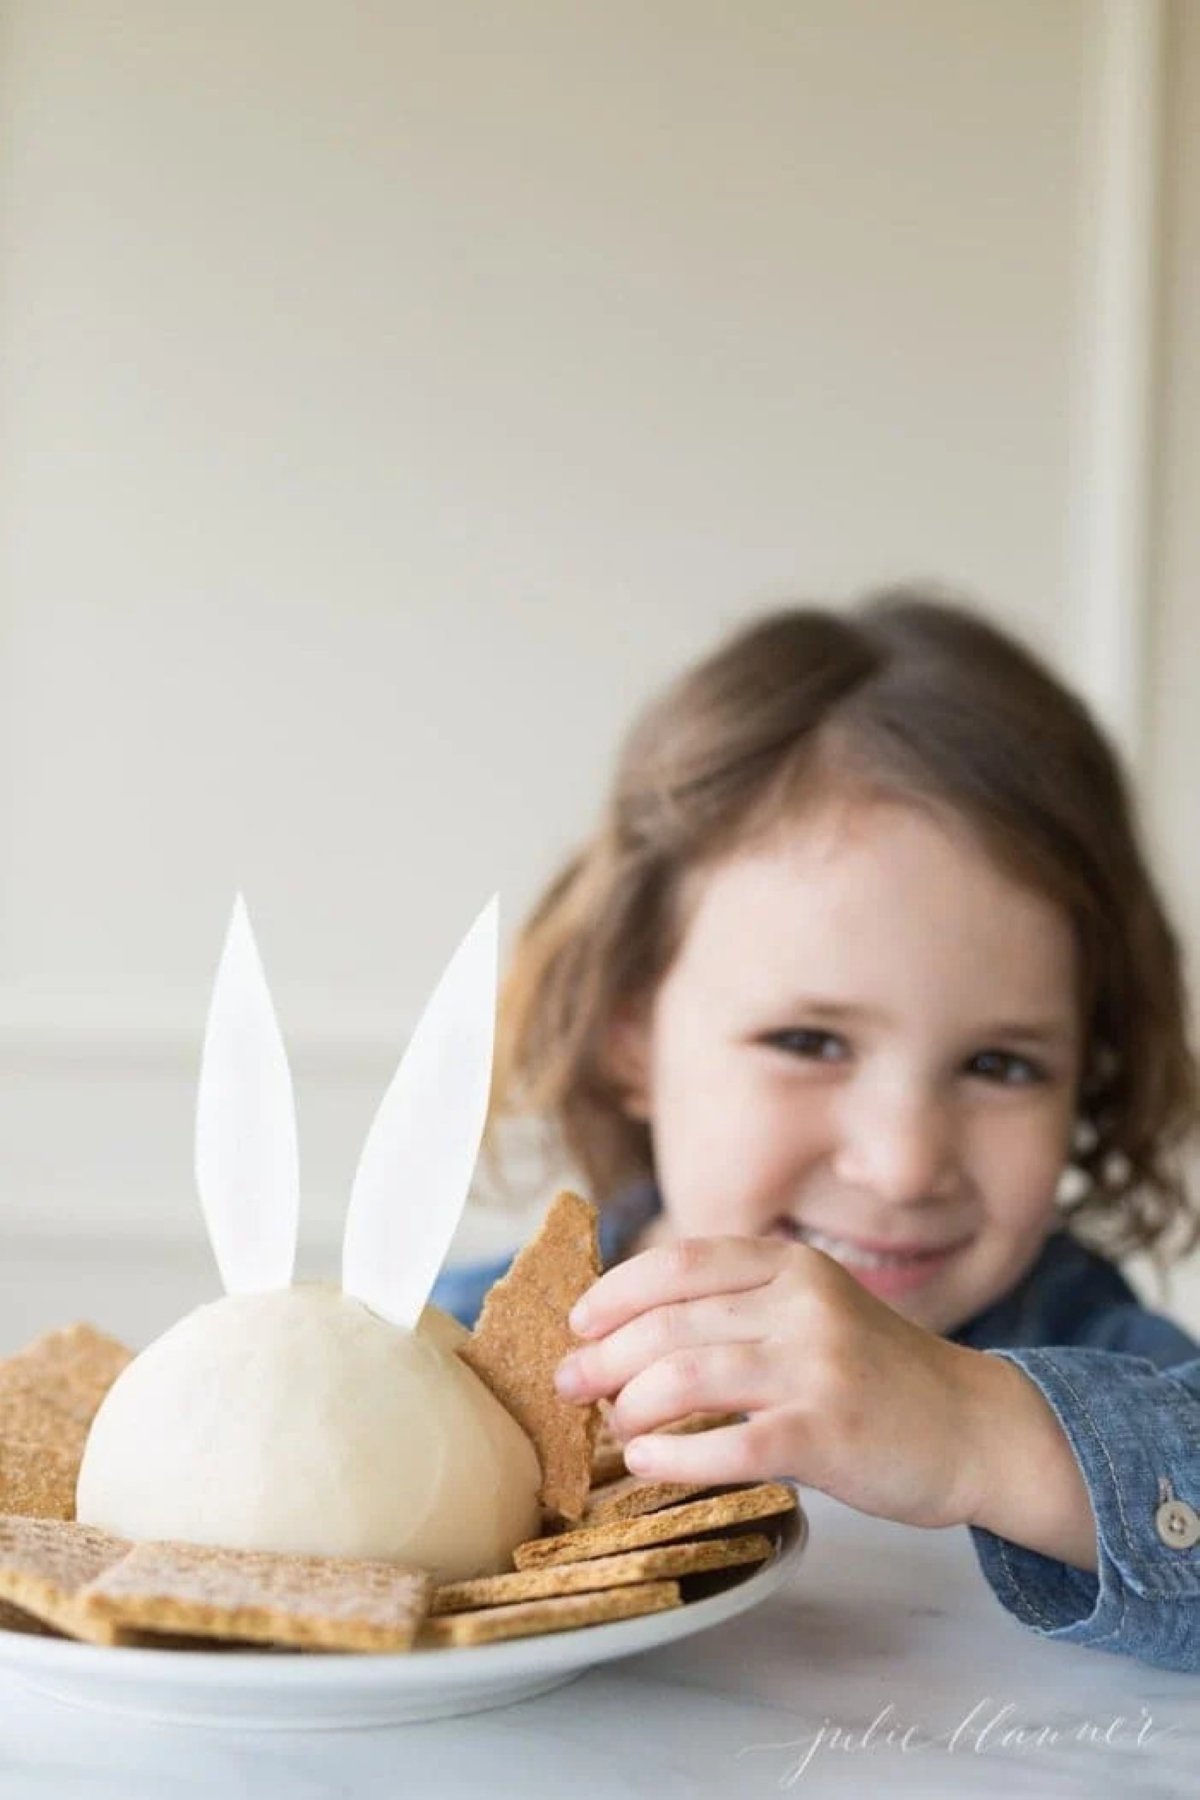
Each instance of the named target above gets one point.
<point>346,1051</point>
<point>1114,490</point>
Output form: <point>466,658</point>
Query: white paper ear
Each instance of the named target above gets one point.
<point>415,1173</point>
<point>247,1166</point>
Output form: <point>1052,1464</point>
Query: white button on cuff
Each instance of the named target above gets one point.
<point>1178,1524</point>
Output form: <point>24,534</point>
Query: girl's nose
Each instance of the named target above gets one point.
<point>899,1146</point>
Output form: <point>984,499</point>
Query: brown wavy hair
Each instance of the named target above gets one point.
<point>905,695</point>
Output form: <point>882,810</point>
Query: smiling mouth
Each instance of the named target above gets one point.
<point>858,1255</point>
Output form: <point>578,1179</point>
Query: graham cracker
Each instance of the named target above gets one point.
<point>38,1476</point>
<point>192,1591</point>
<point>521,1337</point>
<point>630,1496</point>
<point>70,1369</point>
<point>49,1394</point>
<point>601,1572</point>
<point>733,1507</point>
<point>566,1612</point>
<point>45,1564</point>
<point>13,1619</point>
<point>33,1420</point>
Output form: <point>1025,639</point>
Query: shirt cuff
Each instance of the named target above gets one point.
<point>1135,1433</point>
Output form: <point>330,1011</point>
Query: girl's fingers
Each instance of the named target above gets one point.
<point>740,1377</point>
<point>684,1270</point>
<point>605,1367</point>
<point>710,1456</point>
<point>727,1453</point>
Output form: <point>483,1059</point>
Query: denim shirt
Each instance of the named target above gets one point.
<point>1124,1384</point>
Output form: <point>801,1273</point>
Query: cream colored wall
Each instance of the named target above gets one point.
<point>390,397</point>
<point>1173,741</point>
<point>1170,778</point>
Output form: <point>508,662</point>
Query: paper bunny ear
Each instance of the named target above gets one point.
<point>247,1166</point>
<point>415,1172</point>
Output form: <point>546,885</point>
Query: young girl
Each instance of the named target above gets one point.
<point>862,1019</point>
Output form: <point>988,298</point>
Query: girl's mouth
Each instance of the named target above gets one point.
<point>886,1273</point>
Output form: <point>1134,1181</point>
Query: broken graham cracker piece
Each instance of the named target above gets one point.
<point>529,1618</point>
<point>602,1572</point>
<point>608,1452</point>
<point>608,1464</point>
<point>46,1563</point>
<point>621,1495</point>
<point>309,1602</point>
<point>701,1421</point>
<point>521,1337</point>
<point>734,1507</point>
<point>608,1456</point>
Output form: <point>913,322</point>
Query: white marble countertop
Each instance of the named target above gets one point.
<point>878,1625</point>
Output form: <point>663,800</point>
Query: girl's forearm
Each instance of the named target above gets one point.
<point>1030,1490</point>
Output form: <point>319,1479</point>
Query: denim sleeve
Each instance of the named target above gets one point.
<point>1135,1432</point>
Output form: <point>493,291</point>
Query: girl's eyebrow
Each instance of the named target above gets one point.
<point>812,1007</point>
<point>1048,1033</point>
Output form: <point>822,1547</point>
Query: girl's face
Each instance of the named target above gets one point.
<point>869,1042</point>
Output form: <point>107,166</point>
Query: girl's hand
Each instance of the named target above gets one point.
<point>841,1393</point>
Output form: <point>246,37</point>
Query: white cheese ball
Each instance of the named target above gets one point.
<point>300,1421</point>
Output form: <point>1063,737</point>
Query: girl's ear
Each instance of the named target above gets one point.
<point>247,1164</point>
<point>627,1057</point>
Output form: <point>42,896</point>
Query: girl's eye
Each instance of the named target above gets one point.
<point>1006,1068</point>
<point>813,1046</point>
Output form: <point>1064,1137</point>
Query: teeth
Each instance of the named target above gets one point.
<point>846,1252</point>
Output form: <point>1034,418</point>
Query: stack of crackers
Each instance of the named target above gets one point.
<point>613,1546</point>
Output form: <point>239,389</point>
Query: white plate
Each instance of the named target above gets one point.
<point>265,1691</point>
